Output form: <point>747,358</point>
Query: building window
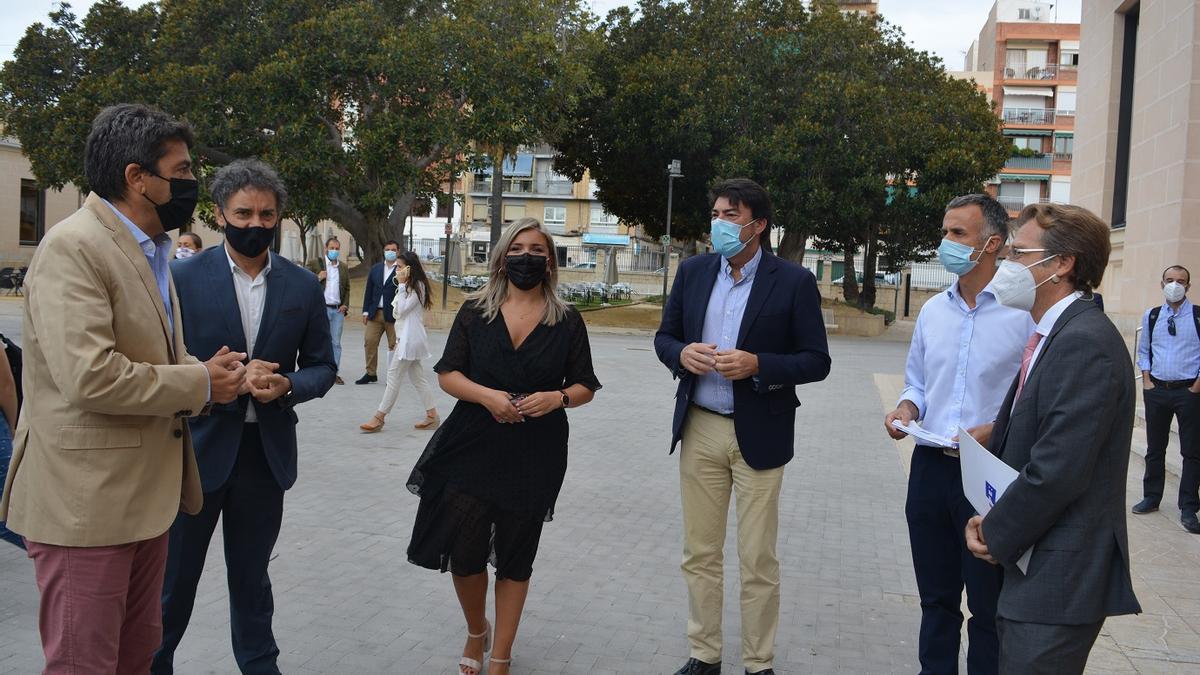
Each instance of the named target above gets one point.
<point>482,211</point>
<point>445,207</point>
<point>555,215</point>
<point>1069,58</point>
<point>1066,103</point>
<point>1025,14</point>
<point>1027,143</point>
<point>1064,147</point>
<point>1120,200</point>
<point>33,213</point>
<point>601,217</point>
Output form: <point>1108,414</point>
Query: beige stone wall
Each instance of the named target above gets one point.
<point>1164,188</point>
<point>14,168</point>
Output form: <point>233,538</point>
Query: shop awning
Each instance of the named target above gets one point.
<point>1026,132</point>
<point>1068,134</point>
<point>606,239</point>
<point>1024,176</point>
<point>1028,91</point>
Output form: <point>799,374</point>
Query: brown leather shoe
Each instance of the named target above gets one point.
<point>373,426</point>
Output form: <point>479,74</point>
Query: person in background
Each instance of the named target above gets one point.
<point>412,345</point>
<point>8,406</point>
<point>963,344</point>
<point>1168,354</point>
<point>244,294</point>
<point>517,358</point>
<point>1065,427</point>
<point>335,280</point>
<point>189,245</point>
<point>104,460</point>
<point>741,330</point>
<point>377,309</point>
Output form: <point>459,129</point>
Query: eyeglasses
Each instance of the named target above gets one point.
<point>1171,325</point>
<point>1015,253</point>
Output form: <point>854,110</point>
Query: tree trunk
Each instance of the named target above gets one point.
<point>870,255</point>
<point>791,247</point>
<point>302,225</point>
<point>497,196</point>
<point>398,218</point>
<point>849,282</point>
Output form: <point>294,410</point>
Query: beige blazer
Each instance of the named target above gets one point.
<point>102,454</point>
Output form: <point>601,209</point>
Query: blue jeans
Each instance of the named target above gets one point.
<point>5,458</point>
<point>336,321</point>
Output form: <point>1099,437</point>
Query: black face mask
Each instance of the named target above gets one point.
<point>249,241</point>
<point>526,271</point>
<point>178,210</point>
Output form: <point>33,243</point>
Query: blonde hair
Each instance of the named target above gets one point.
<point>495,292</point>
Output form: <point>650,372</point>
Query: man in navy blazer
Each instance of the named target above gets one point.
<point>240,294</point>
<point>740,330</point>
<point>377,309</point>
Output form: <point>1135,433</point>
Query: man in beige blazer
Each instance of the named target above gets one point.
<point>102,461</point>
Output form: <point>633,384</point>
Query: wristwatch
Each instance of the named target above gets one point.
<point>566,400</point>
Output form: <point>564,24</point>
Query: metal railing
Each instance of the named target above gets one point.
<point>1028,115</point>
<point>560,188</point>
<point>1019,71</point>
<point>526,186</point>
<point>1062,112</point>
<point>1064,155</point>
<point>1044,162</point>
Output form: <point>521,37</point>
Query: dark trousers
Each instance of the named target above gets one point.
<point>250,506</point>
<point>937,515</point>
<point>1161,405</point>
<point>1045,649</point>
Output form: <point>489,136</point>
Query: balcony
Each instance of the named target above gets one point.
<point>1042,116</point>
<point>1018,203</point>
<point>526,186</point>
<point>1044,163</point>
<point>1049,72</point>
<point>603,228</point>
<point>558,188</point>
<point>1064,156</point>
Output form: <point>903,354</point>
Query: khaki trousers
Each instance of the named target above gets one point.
<point>376,327</point>
<point>710,466</point>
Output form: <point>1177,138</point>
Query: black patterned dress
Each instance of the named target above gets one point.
<point>487,487</point>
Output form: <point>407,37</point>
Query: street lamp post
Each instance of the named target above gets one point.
<point>674,170</point>
<point>446,257</point>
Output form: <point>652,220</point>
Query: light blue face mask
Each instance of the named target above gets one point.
<point>727,237</point>
<point>332,254</point>
<point>390,256</point>
<point>956,257</point>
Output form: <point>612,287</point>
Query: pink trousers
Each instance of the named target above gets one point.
<point>101,607</point>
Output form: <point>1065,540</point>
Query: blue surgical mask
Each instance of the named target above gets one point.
<point>332,255</point>
<point>390,256</point>
<point>727,237</point>
<point>956,257</point>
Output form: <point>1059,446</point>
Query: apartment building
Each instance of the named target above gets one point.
<point>1028,63</point>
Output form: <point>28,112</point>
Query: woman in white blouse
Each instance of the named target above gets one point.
<point>413,297</point>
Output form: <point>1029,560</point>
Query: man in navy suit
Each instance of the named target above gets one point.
<point>243,295</point>
<point>377,309</point>
<point>740,330</point>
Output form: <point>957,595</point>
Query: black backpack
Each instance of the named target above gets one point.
<point>1149,337</point>
<point>13,352</point>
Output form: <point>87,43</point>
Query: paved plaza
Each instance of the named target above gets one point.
<point>606,595</point>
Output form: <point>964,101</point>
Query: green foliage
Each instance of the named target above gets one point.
<point>363,105</point>
<point>1025,152</point>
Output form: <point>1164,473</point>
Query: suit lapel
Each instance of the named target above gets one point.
<point>1005,417</point>
<point>137,257</point>
<point>222,284</point>
<point>707,281</point>
<point>760,290</point>
<point>270,305</point>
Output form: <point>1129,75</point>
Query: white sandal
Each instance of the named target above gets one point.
<point>506,662</point>
<point>468,665</point>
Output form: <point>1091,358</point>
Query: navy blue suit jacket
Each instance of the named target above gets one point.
<point>294,331</point>
<point>782,325</point>
<point>377,286</point>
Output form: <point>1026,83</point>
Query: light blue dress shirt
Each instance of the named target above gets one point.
<point>158,254</point>
<point>722,322</point>
<point>962,361</point>
<point>1176,357</point>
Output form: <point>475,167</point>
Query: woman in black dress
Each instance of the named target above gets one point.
<point>516,357</point>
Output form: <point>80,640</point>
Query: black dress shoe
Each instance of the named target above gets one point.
<point>366,379</point>
<point>1147,505</point>
<point>698,667</point>
<point>1190,522</point>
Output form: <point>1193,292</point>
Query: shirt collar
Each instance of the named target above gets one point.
<point>1052,315</point>
<point>748,269</point>
<point>986,296</point>
<point>233,266</point>
<point>149,245</point>
<point>1185,308</point>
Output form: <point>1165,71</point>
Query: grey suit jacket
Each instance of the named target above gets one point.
<point>1068,436</point>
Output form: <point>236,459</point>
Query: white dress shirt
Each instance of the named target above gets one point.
<point>1047,324</point>
<point>333,294</point>
<point>962,359</point>
<point>251,296</point>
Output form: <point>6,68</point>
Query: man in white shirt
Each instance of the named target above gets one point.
<point>965,349</point>
<point>336,279</point>
<point>377,309</point>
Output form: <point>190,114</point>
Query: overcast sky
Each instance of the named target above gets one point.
<point>944,27</point>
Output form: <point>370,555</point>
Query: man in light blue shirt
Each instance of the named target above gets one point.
<point>1168,355</point>
<point>966,349</point>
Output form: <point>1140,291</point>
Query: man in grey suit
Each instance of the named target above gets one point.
<point>1066,426</point>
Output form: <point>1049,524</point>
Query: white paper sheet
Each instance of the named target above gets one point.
<point>925,437</point>
<point>985,478</point>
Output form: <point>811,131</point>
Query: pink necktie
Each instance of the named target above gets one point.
<point>1026,357</point>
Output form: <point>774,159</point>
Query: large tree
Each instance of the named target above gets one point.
<point>362,103</point>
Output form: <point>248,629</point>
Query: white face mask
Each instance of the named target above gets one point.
<point>183,252</point>
<point>1015,286</point>
<point>1174,291</point>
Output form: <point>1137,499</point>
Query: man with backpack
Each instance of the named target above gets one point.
<point>1169,357</point>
